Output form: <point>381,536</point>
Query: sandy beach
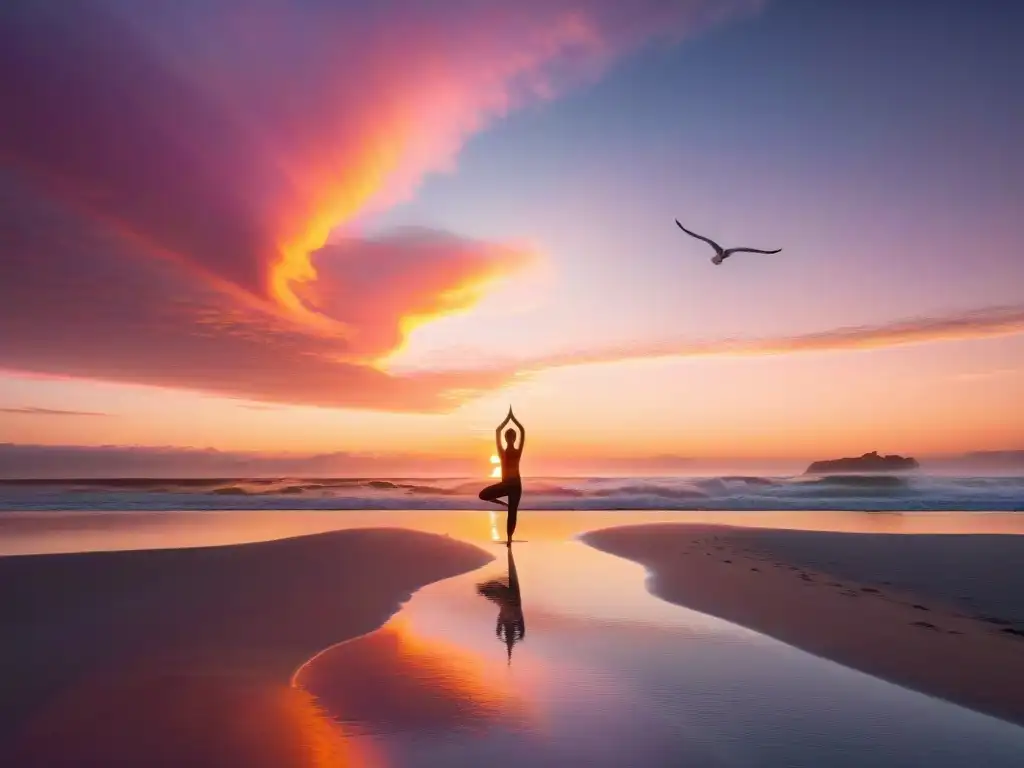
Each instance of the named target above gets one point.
<point>941,614</point>
<point>183,657</point>
<point>212,654</point>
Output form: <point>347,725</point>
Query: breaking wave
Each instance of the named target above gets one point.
<point>832,492</point>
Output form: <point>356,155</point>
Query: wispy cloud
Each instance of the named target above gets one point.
<point>985,323</point>
<point>33,411</point>
<point>81,461</point>
<point>995,373</point>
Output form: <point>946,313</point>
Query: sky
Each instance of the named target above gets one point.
<point>363,230</point>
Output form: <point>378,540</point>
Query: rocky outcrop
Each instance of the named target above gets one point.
<point>869,462</point>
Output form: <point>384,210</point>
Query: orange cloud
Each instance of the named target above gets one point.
<point>385,287</point>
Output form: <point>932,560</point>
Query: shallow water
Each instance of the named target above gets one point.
<point>607,674</point>
<point>53,531</point>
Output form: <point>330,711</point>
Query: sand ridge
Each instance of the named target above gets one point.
<point>183,657</point>
<point>914,637</point>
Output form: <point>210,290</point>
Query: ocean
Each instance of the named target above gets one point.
<point>729,492</point>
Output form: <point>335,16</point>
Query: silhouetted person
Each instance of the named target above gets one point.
<point>511,485</point>
<point>511,627</point>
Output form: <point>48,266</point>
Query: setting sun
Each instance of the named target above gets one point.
<point>496,472</point>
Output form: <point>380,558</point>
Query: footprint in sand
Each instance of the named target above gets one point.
<point>923,625</point>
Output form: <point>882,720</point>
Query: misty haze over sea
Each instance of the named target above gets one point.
<point>918,492</point>
<point>39,477</point>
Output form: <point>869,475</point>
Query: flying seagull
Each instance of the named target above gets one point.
<point>721,254</point>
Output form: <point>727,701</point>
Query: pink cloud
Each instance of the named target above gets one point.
<point>169,181</point>
<point>385,286</point>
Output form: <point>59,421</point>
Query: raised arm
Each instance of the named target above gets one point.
<point>520,427</point>
<point>497,432</point>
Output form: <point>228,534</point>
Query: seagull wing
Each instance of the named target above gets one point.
<point>707,240</point>
<point>731,251</point>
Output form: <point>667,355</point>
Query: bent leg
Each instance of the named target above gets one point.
<point>493,493</point>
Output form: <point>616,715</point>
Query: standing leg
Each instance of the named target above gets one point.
<point>514,495</point>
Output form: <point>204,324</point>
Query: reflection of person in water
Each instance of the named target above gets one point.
<point>511,485</point>
<point>511,627</point>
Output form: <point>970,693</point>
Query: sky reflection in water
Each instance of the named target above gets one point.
<point>610,675</point>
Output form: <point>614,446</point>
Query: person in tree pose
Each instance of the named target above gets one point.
<point>511,485</point>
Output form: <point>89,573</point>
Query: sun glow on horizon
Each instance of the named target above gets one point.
<point>496,472</point>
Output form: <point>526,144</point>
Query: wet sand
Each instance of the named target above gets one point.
<point>941,614</point>
<point>184,657</point>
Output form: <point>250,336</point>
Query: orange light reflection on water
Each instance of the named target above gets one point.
<point>402,680</point>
